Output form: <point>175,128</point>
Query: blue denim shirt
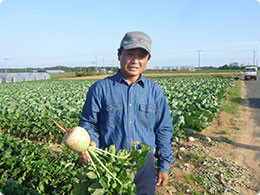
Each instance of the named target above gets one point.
<point>116,113</point>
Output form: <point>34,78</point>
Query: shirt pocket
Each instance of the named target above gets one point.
<point>113,114</point>
<point>146,114</point>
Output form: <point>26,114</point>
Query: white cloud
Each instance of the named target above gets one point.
<point>3,0</point>
<point>258,1</point>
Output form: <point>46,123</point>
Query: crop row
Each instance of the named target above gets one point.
<point>25,108</point>
<point>194,102</point>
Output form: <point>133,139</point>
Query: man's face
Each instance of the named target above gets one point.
<point>133,62</point>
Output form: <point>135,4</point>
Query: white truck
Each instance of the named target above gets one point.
<point>251,72</point>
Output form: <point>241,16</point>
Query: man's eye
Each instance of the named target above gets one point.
<point>142,56</point>
<point>129,55</point>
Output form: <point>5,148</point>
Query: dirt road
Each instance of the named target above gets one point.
<point>250,136</point>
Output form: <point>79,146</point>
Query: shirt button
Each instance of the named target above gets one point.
<point>130,104</point>
<point>131,122</point>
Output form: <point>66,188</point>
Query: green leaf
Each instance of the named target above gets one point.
<point>80,189</point>
<point>98,192</point>
<point>103,184</point>
<point>91,175</point>
<point>94,186</point>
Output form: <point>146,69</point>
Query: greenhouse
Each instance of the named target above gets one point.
<point>18,77</point>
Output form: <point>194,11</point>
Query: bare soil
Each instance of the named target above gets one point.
<point>234,144</point>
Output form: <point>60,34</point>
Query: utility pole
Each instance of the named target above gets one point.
<point>96,61</point>
<point>254,57</point>
<point>6,59</point>
<point>199,58</point>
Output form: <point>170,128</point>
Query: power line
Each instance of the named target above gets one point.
<point>226,51</point>
<point>159,58</point>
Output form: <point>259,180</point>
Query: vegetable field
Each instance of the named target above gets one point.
<point>28,163</point>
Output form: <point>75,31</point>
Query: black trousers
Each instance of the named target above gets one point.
<point>145,177</point>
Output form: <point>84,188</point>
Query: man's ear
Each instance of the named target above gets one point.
<point>118,54</point>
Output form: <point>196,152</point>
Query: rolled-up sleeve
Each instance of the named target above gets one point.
<point>90,115</point>
<point>163,134</point>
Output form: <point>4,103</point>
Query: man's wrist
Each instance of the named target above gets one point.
<point>163,166</point>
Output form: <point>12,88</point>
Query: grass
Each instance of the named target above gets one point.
<point>195,157</point>
<point>62,75</point>
<point>72,74</point>
<point>191,179</point>
<point>234,97</point>
<point>197,182</point>
<point>236,128</point>
<point>224,132</point>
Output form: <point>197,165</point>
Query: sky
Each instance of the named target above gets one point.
<point>46,33</point>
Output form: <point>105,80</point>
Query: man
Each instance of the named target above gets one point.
<point>126,107</point>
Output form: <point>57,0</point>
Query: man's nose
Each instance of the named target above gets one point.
<point>135,59</point>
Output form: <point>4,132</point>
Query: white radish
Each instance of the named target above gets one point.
<point>77,139</point>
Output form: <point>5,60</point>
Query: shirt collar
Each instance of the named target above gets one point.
<point>119,78</point>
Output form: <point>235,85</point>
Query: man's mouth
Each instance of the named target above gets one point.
<point>133,68</point>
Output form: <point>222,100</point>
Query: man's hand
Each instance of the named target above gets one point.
<point>162,179</point>
<point>83,157</point>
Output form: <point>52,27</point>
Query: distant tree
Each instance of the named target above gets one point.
<point>224,67</point>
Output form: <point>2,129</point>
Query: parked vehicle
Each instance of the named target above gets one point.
<point>251,72</point>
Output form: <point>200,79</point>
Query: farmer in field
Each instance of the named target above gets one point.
<point>126,107</point>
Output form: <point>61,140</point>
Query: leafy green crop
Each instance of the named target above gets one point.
<point>31,168</point>
<point>25,107</point>
<point>193,102</point>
